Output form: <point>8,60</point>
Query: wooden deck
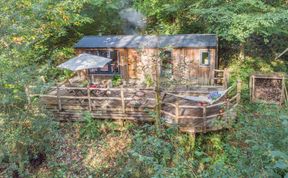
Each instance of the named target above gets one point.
<point>69,103</point>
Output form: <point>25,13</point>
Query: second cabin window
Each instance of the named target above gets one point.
<point>205,58</point>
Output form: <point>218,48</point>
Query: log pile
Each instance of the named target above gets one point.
<point>268,89</point>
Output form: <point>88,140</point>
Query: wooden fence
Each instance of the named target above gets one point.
<point>69,103</point>
<point>194,118</point>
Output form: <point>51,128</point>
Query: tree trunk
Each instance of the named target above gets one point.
<point>241,51</point>
<point>158,98</point>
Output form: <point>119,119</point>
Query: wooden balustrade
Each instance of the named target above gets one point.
<point>58,101</point>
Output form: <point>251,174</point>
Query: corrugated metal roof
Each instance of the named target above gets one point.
<point>148,41</point>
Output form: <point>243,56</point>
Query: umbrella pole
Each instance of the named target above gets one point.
<point>87,77</point>
<point>78,74</point>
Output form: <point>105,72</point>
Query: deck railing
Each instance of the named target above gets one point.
<point>68,103</point>
<point>220,77</point>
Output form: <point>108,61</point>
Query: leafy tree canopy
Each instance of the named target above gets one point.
<point>232,20</point>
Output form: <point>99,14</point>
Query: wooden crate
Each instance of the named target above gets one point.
<point>268,88</point>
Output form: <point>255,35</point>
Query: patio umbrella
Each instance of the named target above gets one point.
<point>85,61</point>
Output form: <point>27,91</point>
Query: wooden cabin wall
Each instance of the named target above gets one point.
<point>135,63</point>
<point>186,63</point>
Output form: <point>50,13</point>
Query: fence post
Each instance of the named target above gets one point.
<point>204,119</point>
<point>285,93</point>
<point>89,98</point>
<point>250,87</point>
<point>227,104</point>
<point>226,112</point>
<point>123,104</point>
<point>282,91</point>
<point>122,99</point>
<point>253,89</point>
<point>238,91</point>
<point>59,99</point>
<point>225,78</point>
<point>27,92</point>
<point>177,111</point>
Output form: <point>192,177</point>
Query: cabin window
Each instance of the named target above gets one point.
<point>205,58</point>
<point>110,68</point>
<point>166,63</point>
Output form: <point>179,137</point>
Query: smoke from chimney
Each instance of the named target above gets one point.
<point>134,20</point>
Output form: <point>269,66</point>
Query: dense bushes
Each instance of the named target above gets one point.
<point>165,155</point>
<point>257,146</point>
<point>25,142</point>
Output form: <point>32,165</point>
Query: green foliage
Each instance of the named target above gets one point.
<point>148,80</point>
<point>237,20</point>
<point>92,128</point>
<point>165,155</point>
<point>257,147</point>
<point>166,18</point>
<point>233,20</point>
<point>117,80</point>
<point>25,140</point>
<point>30,38</point>
<point>105,15</point>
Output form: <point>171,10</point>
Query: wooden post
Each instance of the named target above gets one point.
<point>227,77</point>
<point>59,99</point>
<point>250,87</point>
<point>123,104</point>
<point>282,91</point>
<point>27,92</point>
<point>86,75</point>
<point>213,77</point>
<point>225,80</point>
<point>204,119</point>
<point>238,91</point>
<point>227,104</point>
<point>253,88</point>
<point>177,111</point>
<point>92,78</point>
<point>122,100</point>
<point>286,93</point>
<point>89,98</point>
<point>227,110</point>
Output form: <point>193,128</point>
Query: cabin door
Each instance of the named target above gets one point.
<point>193,65</point>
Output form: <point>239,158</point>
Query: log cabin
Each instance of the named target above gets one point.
<point>190,56</point>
